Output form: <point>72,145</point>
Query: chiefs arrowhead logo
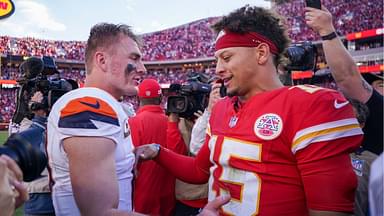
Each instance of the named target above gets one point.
<point>7,8</point>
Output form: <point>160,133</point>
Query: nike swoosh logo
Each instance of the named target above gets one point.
<point>93,105</point>
<point>340,105</point>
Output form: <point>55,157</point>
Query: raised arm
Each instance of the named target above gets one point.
<point>343,68</point>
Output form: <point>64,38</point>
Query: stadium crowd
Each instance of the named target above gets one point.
<point>349,17</point>
<point>195,39</point>
<point>309,168</point>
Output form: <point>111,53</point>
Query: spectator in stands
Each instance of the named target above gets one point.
<point>266,140</point>
<point>348,78</point>
<point>154,186</point>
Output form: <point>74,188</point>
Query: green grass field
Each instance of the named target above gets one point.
<point>3,137</point>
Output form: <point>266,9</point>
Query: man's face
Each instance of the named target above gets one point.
<point>125,66</point>
<point>378,86</point>
<point>237,67</point>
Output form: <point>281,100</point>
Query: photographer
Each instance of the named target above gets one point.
<point>40,201</point>
<point>12,191</point>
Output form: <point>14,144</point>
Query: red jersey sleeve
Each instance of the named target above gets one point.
<point>175,141</point>
<point>188,169</point>
<point>325,133</point>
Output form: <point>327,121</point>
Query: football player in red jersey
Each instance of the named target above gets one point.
<point>275,150</point>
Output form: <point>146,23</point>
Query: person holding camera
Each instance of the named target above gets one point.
<point>275,150</point>
<point>12,191</point>
<point>89,139</point>
<point>154,186</point>
<point>40,201</point>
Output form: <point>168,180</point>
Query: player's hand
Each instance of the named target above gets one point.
<point>319,20</point>
<point>212,208</point>
<point>145,152</point>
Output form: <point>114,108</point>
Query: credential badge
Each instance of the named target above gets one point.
<point>268,126</point>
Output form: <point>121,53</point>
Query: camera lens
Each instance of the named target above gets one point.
<point>24,149</point>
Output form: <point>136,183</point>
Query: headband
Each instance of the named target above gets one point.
<point>227,39</point>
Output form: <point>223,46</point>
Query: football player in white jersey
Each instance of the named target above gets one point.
<point>89,143</point>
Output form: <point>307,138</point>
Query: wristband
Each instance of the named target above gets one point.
<point>329,36</point>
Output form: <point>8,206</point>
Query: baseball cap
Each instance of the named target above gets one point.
<point>149,88</point>
<point>371,77</point>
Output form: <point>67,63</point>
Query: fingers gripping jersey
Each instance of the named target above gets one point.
<point>88,112</point>
<point>268,153</point>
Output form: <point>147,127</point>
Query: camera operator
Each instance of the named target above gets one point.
<point>154,186</point>
<point>200,127</point>
<point>12,192</point>
<point>40,201</point>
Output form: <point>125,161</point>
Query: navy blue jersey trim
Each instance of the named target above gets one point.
<point>83,120</point>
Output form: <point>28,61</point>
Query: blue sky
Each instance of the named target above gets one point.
<point>72,19</point>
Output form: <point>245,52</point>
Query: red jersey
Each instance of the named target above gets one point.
<point>154,188</point>
<point>283,152</point>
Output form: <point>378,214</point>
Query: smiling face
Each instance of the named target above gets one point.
<point>237,67</point>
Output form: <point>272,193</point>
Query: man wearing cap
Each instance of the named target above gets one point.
<point>154,192</point>
<point>376,80</point>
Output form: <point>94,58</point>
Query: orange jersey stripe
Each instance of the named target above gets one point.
<point>92,104</point>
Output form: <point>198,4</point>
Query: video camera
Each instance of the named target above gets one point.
<point>189,98</point>
<point>24,149</point>
<point>302,57</point>
<point>35,73</point>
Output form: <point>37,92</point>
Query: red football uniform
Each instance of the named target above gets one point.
<point>281,153</point>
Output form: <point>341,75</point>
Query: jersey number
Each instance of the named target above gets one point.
<point>232,174</point>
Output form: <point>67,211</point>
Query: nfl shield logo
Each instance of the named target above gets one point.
<point>233,121</point>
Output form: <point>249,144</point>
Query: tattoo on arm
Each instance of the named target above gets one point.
<point>366,86</point>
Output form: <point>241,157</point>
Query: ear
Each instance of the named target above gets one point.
<point>100,60</point>
<point>264,53</point>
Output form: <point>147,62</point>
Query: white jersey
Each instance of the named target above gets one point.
<point>88,112</point>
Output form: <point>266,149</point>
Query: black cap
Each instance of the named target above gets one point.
<point>371,77</point>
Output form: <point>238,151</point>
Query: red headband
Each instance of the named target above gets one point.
<point>227,39</point>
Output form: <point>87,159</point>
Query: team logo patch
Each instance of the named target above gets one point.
<point>357,165</point>
<point>268,126</point>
